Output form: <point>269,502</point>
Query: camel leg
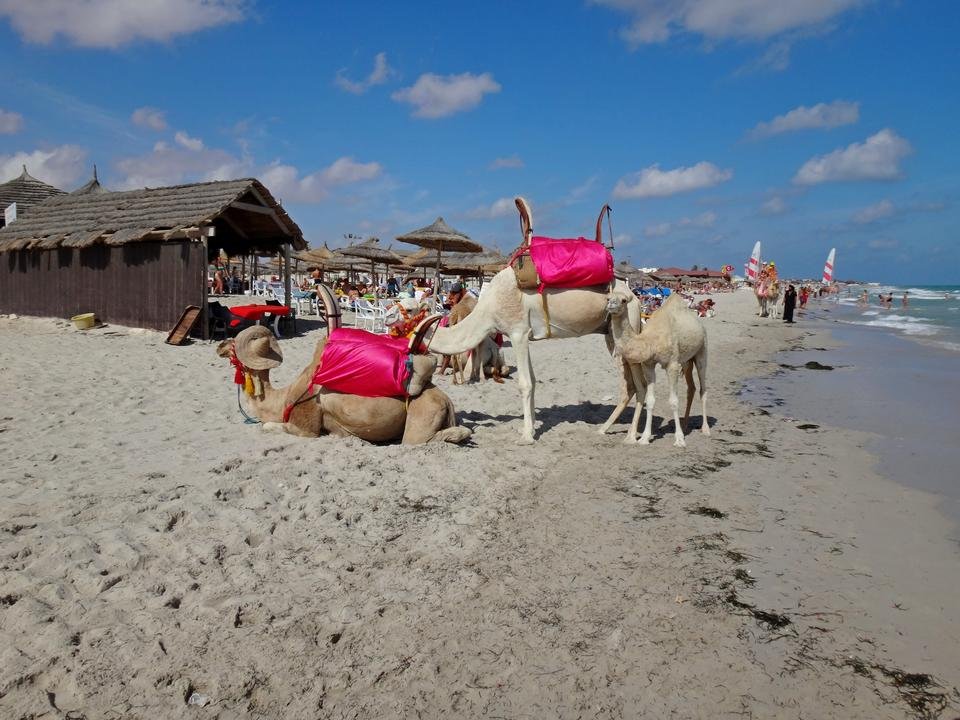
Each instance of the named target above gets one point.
<point>700,360</point>
<point>688,376</point>
<point>636,375</point>
<point>520,339</point>
<point>627,391</point>
<point>673,377</point>
<point>647,380</point>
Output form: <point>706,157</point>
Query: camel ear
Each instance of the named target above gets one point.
<point>225,348</point>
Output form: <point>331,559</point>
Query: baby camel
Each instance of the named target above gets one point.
<point>673,338</point>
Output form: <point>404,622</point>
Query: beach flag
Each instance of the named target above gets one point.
<point>828,268</point>
<point>753,266</point>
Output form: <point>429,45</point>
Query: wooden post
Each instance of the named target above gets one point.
<point>204,307</point>
<point>287,294</point>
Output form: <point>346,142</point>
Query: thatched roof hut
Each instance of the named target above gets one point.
<point>26,191</point>
<point>138,257</point>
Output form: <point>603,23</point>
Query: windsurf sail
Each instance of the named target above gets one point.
<point>828,268</point>
<point>753,266</point>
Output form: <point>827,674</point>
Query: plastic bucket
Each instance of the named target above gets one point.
<point>83,321</point>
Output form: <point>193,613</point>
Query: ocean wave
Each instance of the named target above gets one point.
<point>924,294</point>
<point>871,312</point>
<point>904,323</point>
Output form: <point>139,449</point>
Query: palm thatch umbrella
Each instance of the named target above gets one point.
<point>371,250</point>
<point>439,236</point>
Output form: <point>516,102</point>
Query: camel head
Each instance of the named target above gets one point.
<point>256,348</point>
<point>617,301</point>
<point>403,309</point>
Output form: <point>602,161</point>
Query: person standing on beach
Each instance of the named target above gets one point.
<point>903,303</point>
<point>789,303</point>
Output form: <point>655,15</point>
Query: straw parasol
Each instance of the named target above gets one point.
<point>439,236</point>
<point>371,250</point>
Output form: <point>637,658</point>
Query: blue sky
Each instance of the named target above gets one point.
<point>706,124</point>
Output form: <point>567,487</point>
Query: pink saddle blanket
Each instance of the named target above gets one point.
<point>571,263</point>
<point>357,362</point>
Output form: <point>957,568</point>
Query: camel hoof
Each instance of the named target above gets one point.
<point>680,442</point>
<point>630,441</point>
<point>644,440</point>
<point>706,430</point>
<point>526,441</point>
<point>273,427</point>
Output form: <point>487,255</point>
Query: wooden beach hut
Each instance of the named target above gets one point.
<point>136,258</point>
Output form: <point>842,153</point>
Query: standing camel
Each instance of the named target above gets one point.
<point>520,315</point>
<point>673,338</point>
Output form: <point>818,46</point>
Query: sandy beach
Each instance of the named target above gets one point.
<point>159,558</point>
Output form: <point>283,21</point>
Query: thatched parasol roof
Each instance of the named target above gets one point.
<point>167,213</point>
<point>371,250</point>
<point>26,191</point>
<point>442,237</point>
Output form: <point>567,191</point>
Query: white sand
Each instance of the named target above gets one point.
<point>152,546</point>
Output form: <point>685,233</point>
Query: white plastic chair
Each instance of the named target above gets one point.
<point>364,315</point>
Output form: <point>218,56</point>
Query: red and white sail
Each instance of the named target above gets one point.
<point>828,268</point>
<point>753,266</point>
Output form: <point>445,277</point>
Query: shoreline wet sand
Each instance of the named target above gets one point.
<point>154,549</point>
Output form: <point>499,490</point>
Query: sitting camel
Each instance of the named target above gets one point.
<point>298,410</point>
<point>674,338</point>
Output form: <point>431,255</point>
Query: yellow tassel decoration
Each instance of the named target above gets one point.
<point>248,384</point>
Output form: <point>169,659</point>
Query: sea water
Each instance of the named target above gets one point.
<point>932,313</point>
<point>895,374</point>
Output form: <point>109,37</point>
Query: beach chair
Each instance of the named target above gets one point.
<point>366,315</point>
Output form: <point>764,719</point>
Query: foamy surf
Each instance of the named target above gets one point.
<point>903,323</point>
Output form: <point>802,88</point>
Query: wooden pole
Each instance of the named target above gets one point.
<point>287,294</point>
<point>204,307</point>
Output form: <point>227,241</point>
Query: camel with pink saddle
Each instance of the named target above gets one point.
<point>553,289</point>
<point>390,396</point>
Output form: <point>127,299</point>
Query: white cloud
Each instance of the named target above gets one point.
<point>774,206</point>
<point>883,244</point>
<point>877,158</point>
<point>821,115</point>
<point>501,208</point>
<point>513,161</point>
<point>654,182</point>
<point>60,166</point>
<point>658,230</point>
<point>185,141</point>
<point>171,165</point>
<point>581,190</point>
<point>149,117</point>
<point>10,122</point>
<point>878,211</point>
<point>437,96</point>
<point>703,220</point>
<point>112,23</point>
<point>654,21</point>
<point>378,76</point>
<point>285,181</point>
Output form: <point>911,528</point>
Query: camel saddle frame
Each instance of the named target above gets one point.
<point>520,260</point>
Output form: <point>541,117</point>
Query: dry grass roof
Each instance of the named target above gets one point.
<point>243,212</point>
<point>26,191</point>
